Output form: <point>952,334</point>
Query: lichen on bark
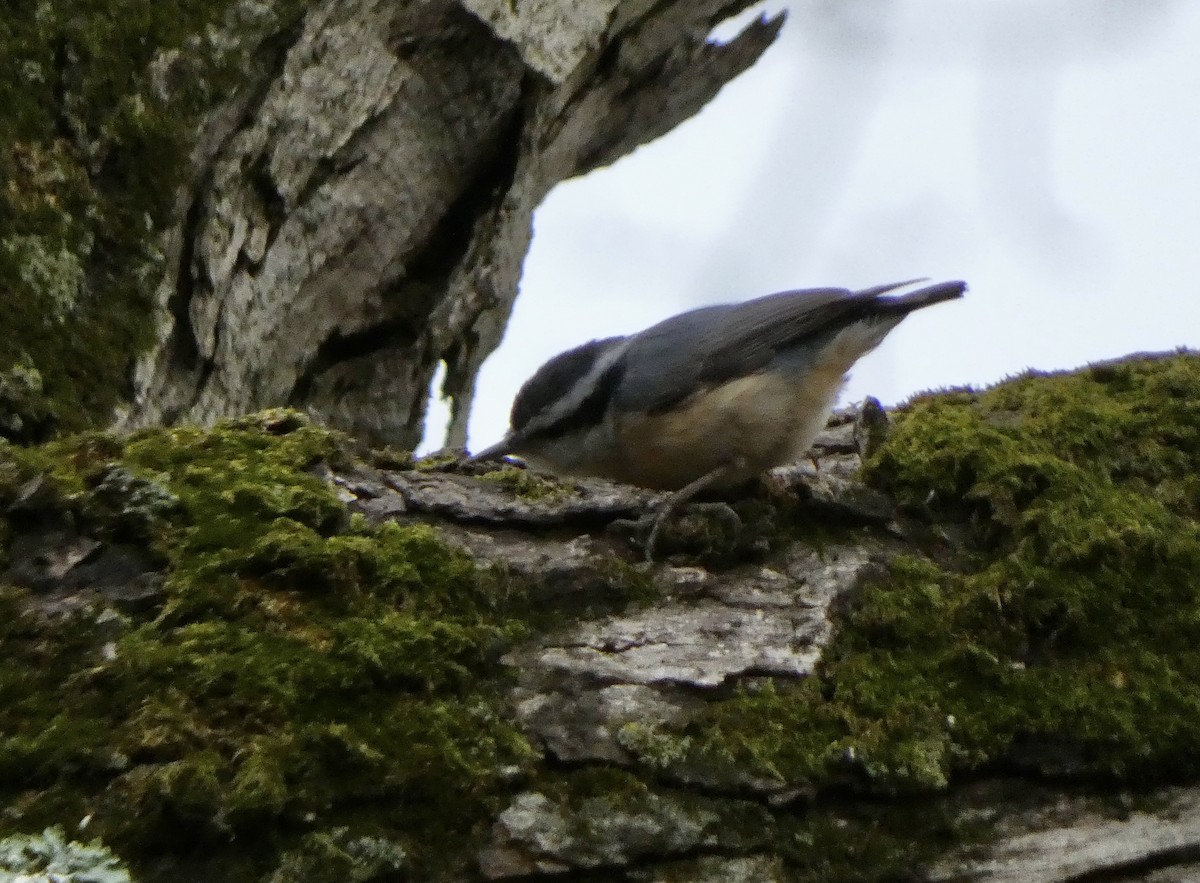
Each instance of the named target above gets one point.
<point>1053,631</point>
<point>298,671</point>
<point>102,106</point>
<point>249,204</point>
<point>234,636</point>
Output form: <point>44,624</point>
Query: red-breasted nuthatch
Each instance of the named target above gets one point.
<point>711,397</point>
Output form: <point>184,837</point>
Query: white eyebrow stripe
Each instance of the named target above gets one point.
<point>580,390</point>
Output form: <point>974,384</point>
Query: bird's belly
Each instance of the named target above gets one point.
<point>762,421</point>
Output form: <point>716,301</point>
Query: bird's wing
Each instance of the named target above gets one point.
<point>709,346</point>
<point>756,331</point>
<point>704,347</point>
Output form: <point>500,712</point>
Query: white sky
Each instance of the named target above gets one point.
<point>1046,152</point>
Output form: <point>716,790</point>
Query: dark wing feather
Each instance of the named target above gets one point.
<point>757,330</point>
<point>678,356</point>
<point>711,345</point>
<point>752,335</point>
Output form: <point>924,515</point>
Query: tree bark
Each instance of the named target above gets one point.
<point>977,665</point>
<point>358,211</point>
<point>980,665</point>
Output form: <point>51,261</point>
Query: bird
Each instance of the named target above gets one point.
<point>708,398</point>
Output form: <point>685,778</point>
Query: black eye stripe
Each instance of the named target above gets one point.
<point>555,381</point>
<point>590,411</point>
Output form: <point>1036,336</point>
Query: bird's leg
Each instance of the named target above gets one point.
<point>672,504</point>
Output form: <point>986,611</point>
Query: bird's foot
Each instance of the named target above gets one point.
<point>702,530</point>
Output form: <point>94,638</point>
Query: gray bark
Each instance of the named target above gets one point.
<point>597,692</point>
<point>605,689</point>
<point>360,207</point>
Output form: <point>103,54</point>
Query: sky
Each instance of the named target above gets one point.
<point>1048,153</point>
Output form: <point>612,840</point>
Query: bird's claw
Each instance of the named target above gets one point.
<point>700,528</point>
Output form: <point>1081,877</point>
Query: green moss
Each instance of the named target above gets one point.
<point>298,667</point>
<point>651,745</point>
<point>303,672</point>
<point>528,485</point>
<point>601,807</point>
<point>337,856</point>
<point>101,103</point>
<point>431,463</point>
<point>870,842</point>
<point>25,412</point>
<point>391,458</point>
<point>1059,634</point>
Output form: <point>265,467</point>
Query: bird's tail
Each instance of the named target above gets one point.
<point>903,304</point>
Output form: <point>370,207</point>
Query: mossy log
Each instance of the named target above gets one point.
<point>257,652</point>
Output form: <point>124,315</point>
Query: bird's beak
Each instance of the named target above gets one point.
<point>496,451</point>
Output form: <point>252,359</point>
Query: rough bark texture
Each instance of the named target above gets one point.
<point>358,212</point>
<point>259,654</point>
<point>973,660</point>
